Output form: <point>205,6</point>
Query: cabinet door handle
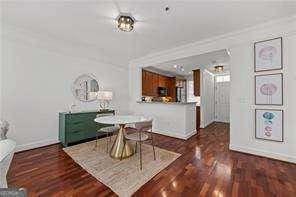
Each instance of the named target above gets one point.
<point>76,131</point>
<point>76,122</point>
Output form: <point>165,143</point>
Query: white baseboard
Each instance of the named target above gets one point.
<point>37,144</point>
<point>204,125</point>
<point>272,155</point>
<point>176,135</point>
<point>189,135</point>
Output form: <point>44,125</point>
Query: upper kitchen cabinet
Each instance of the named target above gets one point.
<point>144,84</point>
<point>196,79</point>
<point>162,81</point>
<point>155,85</point>
<point>152,81</point>
<point>171,85</point>
<point>149,83</point>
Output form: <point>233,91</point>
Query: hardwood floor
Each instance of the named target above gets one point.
<point>206,168</point>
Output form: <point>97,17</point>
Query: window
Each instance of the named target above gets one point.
<point>222,78</point>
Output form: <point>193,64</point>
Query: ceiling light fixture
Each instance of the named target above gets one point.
<point>125,22</point>
<point>219,68</point>
<point>179,68</point>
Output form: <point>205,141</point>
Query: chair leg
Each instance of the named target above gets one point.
<point>153,146</point>
<point>107,143</point>
<point>96,145</point>
<point>136,147</point>
<point>140,155</point>
<point>110,137</point>
<point>122,150</point>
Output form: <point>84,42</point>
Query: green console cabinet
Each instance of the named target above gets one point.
<point>74,127</point>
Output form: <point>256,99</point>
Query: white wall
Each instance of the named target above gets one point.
<point>207,99</point>
<point>242,103</point>
<point>36,86</point>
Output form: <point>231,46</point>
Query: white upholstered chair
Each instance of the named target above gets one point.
<point>6,153</point>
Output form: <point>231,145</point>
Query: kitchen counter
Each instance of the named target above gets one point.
<point>175,119</point>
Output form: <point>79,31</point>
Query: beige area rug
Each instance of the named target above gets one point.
<point>123,177</point>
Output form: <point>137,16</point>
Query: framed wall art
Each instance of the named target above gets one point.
<point>268,55</point>
<point>269,89</point>
<point>269,124</point>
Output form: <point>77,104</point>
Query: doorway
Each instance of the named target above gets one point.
<point>222,98</point>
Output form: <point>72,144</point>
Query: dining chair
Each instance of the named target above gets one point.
<point>143,132</point>
<point>108,130</point>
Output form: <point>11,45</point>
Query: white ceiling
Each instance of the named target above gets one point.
<point>91,23</point>
<point>203,61</point>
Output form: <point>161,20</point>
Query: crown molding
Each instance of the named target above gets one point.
<point>56,44</point>
<point>281,27</point>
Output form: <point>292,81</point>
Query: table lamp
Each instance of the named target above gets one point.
<point>104,97</point>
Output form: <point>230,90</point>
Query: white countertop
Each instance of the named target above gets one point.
<point>170,103</point>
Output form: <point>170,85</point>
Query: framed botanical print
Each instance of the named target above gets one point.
<point>269,124</point>
<point>268,55</point>
<point>269,89</point>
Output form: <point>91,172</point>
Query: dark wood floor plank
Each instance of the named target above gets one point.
<point>206,168</point>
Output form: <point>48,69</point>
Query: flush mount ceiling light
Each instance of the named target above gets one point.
<point>219,68</point>
<point>125,22</point>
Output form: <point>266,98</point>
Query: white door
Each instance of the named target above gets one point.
<point>222,98</point>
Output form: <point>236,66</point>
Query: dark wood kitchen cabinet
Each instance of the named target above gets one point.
<point>144,83</point>
<point>171,85</point>
<point>196,82</point>
<point>197,118</point>
<point>162,81</point>
<point>151,81</point>
<point>155,85</point>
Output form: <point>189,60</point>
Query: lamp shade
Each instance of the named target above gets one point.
<point>104,95</point>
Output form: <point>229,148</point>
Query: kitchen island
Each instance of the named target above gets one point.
<point>175,119</point>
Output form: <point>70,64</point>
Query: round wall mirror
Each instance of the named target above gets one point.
<point>85,87</point>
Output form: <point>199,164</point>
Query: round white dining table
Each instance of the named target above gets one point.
<point>118,145</point>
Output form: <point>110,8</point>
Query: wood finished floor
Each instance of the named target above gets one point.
<point>206,168</point>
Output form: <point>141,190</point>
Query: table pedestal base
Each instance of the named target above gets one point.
<point>117,147</point>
